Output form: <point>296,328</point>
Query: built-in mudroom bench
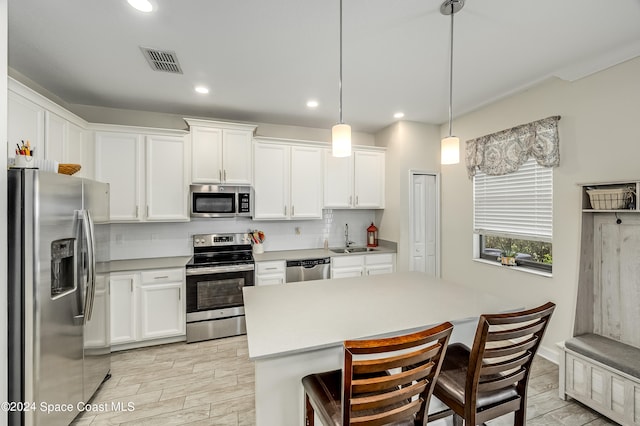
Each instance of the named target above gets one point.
<point>600,365</point>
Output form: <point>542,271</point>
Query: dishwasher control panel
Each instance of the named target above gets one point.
<point>308,263</point>
<point>307,269</point>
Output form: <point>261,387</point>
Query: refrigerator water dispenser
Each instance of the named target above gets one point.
<point>62,266</point>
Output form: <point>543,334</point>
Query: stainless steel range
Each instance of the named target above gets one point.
<point>222,264</point>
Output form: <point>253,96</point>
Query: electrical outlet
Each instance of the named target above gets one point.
<point>298,230</point>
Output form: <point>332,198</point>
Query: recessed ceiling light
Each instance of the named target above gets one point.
<point>202,89</point>
<point>141,5</point>
<point>312,104</point>
<point>398,115</point>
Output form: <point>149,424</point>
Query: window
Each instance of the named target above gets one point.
<point>512,215</point>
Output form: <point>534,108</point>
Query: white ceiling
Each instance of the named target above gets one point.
<point>263,59</point>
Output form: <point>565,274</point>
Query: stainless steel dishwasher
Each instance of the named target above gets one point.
<point>308,269</point>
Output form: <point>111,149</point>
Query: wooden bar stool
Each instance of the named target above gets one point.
<point>490,379</point>
<point>384,381</point>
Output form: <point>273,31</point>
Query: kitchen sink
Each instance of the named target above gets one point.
<point>353,249</point>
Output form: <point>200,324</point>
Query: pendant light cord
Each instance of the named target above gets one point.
<point>340,79</point>
<point>450,72</point>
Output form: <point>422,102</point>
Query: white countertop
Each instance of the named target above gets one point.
<point>140,264</point>
<point>297,317</point>
<point>313,254</point>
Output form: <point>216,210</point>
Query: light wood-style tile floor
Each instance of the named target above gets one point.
<point>212,383</point>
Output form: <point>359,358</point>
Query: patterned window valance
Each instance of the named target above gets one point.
<point>505,151</point>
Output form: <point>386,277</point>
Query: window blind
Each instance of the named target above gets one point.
<point>516,205</point>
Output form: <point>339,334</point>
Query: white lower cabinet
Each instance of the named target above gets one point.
<point>270,272</point>
<point>376,264</point>
<point>359,265</point>
<point>123,307</point>
<point>147,305</point>
<point>162,306</point>
<point>609,391</point>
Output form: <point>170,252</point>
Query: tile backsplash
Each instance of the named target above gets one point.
<point>146,240</point>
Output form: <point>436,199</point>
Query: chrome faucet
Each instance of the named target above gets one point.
<point>347,241</point>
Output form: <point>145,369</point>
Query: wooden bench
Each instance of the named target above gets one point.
<point>603,374</point>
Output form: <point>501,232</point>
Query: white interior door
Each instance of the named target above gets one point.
<point>424,224</point>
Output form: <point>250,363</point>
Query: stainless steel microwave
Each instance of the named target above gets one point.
<point>221,201</point>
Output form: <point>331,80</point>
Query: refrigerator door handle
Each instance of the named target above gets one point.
<point>87,227</point>
<point>78,320</point>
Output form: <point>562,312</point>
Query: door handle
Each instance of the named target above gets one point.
<point>350,199</point>
<point>179,294</point>
<point>220,175</point>
<point>293,210</point>
<point>147,210</point>
<point>285,210</point>
<point>136,211</point>
<point>356,200</point>
<point>161,278</point>
<point>225,174</point>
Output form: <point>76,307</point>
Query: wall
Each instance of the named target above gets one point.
<point>142,240</point>
<point>410,146</point>
<point>599,141</point>
<point>94,114</point>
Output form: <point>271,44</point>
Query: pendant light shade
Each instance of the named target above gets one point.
<point>450,146</point>
<point>341,140</point>
<point>450,150</point>
<point>341,133</point>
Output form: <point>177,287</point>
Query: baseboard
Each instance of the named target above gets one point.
<point>549,354</point>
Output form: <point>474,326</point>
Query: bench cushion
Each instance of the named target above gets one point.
<point>610,352</point>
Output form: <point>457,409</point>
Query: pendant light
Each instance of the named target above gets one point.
<point>450,146</point>
<point>341,133</point>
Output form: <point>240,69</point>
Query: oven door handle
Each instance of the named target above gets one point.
<point>219,269</point>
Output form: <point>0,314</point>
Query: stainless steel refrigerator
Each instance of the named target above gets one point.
<point>59,345</point>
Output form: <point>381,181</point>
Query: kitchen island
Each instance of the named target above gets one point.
<point>296,329</point>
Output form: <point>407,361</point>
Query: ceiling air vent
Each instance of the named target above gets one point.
<point>162,60</point>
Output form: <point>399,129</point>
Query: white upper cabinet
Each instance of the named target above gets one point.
<point>56,130</point>
<point>25,122</point>
<point>271,186</point>
<point>80,150</point>
<point>166,178</point>
<point>356,181</point>
<point>368,179</point>
<point>119,163</point>
<point>306,182</point>
<point>236,156</point>
<point>338,181</point>
<point>206,155</point>
<point>221,152</point>
<point>53,132</point>
<point>288,180</point>
<point>147,175</point>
